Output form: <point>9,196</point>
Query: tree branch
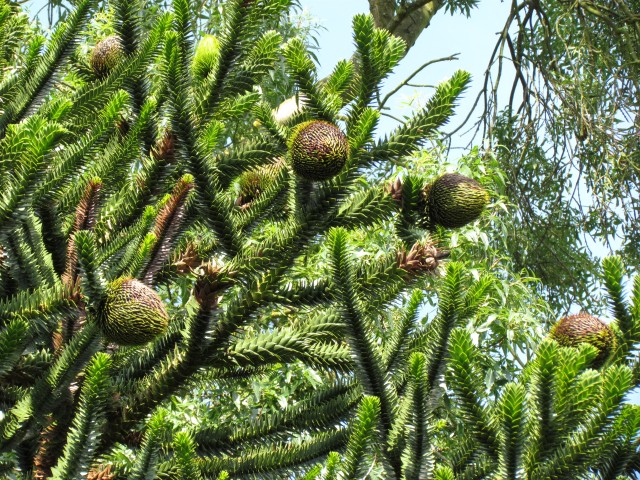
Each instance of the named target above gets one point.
<point>383,12</point>
<point>416,72</point>
<point>409,23</point>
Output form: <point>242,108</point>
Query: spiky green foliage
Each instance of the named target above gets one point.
<point>88,423</point>
<point>29,85</point>
<point>136,235</point>
<point>555,420</point>
<point>146,462</point>
<point>354,464</point>
<point>91,211</point>
<point>627,318</point>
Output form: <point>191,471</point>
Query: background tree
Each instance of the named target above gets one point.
<point>570,126</point>
<point>160,240</point>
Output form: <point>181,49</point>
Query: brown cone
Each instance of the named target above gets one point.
<point>423,257</point>
<point>395,189</point>
<point>212,280</point>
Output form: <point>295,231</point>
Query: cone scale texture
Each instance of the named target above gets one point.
<point>132,313</point>
<point>318,150</point>
<point>573,330</point>
<point>106,55</point>
<point>454,200</point>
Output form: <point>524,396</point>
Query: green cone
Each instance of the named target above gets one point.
<point>454,200</point>
<point>318,150</point>
<point>206,56</point>
<point>132,313</point>
<point>254,182</point>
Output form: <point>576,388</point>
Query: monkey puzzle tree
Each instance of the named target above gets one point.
<point>159,236</point>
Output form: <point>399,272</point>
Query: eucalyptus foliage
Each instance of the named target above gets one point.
<point>317,330</point>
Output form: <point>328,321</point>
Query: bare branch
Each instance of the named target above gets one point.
<point>406,81</point>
